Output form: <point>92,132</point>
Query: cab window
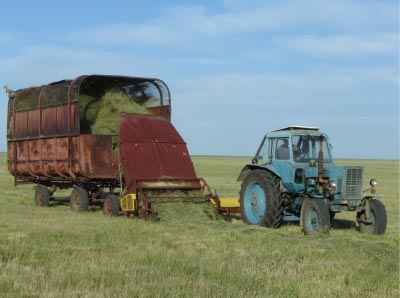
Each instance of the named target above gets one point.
<point>306,147</point>
<point>282,149</point>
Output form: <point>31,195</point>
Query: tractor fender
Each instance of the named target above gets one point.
<point>248,168</point>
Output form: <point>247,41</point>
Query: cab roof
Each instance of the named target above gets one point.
<point>298,127</point>
<point>294,130</point>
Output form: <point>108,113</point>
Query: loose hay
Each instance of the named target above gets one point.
<point>88,108</point>
<point>185,212</point>
<point>182,206</point>
<point>102,116</point>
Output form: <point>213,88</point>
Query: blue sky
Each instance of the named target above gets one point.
<point>236,69</point>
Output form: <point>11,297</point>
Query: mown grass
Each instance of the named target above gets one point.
<point>54,252</point>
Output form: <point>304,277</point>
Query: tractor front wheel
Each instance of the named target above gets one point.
<point>376,224</point>
<point>260,200</point>
<point>79,200</point>
<point>42,196</point>
<point>111,206</point>
<point>315,216</point>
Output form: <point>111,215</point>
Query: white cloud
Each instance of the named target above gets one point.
<point>192,25</point>
<point>341,44</point>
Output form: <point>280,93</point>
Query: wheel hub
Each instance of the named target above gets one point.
<point>254,204</point>
<point>107,206</point>
<point>77,202</point>
<point>313,220</point>
<point>39,199</point>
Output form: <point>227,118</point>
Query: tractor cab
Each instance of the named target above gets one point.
<point>292,154</point>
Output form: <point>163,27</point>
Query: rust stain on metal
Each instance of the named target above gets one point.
<point>151,150</point>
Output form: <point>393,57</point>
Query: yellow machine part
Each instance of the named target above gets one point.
<point>227,202</point>
<point>128,202</point>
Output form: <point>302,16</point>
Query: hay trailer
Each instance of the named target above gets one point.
<point>109,138</point>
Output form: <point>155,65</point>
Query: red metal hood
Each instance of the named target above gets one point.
<point>152,150</point>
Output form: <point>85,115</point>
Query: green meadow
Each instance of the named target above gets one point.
<point>54,252</point>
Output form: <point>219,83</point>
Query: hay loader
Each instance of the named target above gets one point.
<point>109,138</point>
<point>293,177</point>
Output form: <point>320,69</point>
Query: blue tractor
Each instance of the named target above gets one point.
<point>293,177</point>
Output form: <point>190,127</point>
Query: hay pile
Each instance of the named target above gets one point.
<point>102,116</point>
<point>188,206</point>
<point>185,212</point>
<point>88,108</point>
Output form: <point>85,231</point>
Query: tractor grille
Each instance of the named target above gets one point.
<point>353,182</point>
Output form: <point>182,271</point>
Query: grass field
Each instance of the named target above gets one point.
<point>54,252</point>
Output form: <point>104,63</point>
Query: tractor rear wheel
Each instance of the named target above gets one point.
<point>377,223</point>
<point>42,196</point>
<point>315,216</point>
<point>260,199</point>
<point>79,200</point>
<point>111,206</point>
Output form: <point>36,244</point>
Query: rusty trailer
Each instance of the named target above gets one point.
<point>52,142</point>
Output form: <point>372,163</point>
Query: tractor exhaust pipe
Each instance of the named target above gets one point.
<point>321,163</point>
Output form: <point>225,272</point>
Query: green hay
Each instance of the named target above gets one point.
<point>112,104</point>
<point>185,212</point>
<point>190,206</point>
<point>102,115</point>
<point>88,108</point>
<point>27,99</point>
<point>178,194</point>
<point>54,95</point>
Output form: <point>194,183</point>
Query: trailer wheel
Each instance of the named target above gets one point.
<point>111,206</point>
<point>378,220</point>
<point>315,216</point>
<point>42,196</point>
<point>260,200</point>
<point>79,200</point>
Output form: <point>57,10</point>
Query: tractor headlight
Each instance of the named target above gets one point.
<point>332,187</point>
<point>373,183</point>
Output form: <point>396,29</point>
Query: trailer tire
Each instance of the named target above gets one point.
<point>315,216</point>
<point>260,199</point>
<point>379,218</point>
<point>79,200</point>
<point>111,206</point>
<point>42,196</point>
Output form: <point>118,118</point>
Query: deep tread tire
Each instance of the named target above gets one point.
<point>79,200</point>
<point>42,196</point>
<point>111,206</point>
<point>260,199</point>
<point>315,216</point>
<point>378,212</point>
